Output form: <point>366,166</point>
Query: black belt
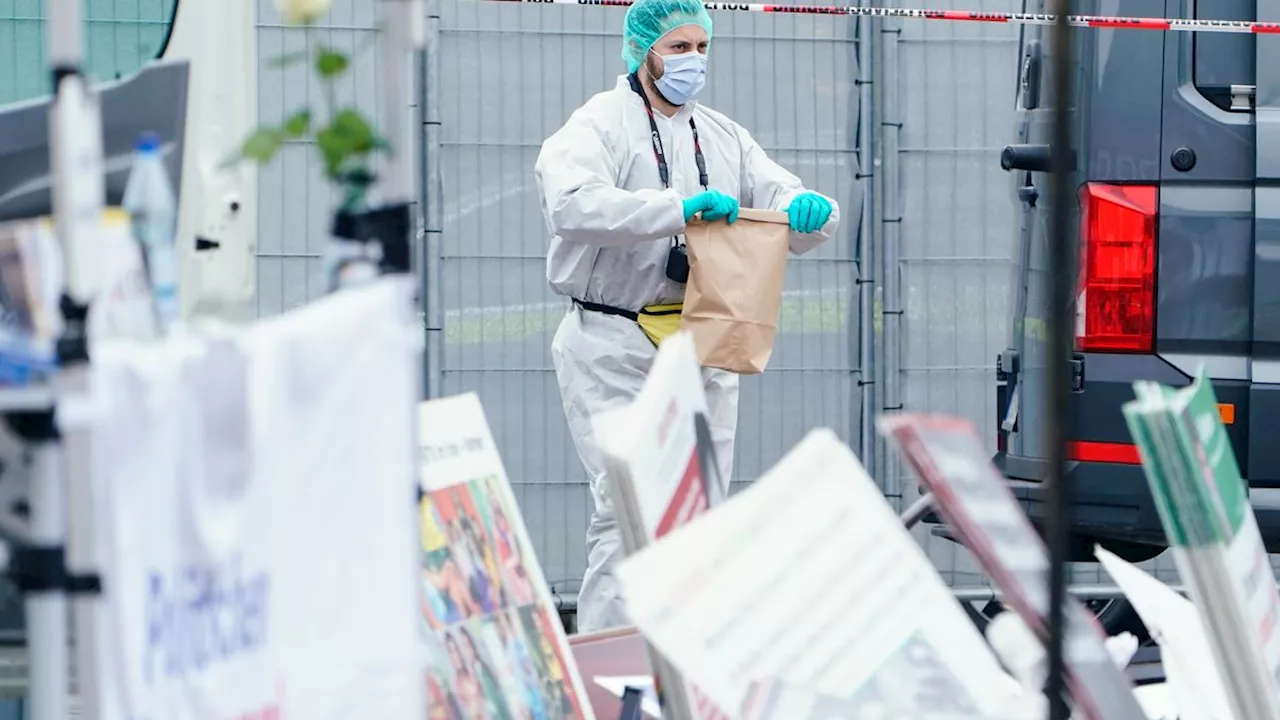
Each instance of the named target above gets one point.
<point>631,315</point>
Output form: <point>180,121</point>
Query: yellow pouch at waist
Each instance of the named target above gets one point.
<point>659,322</point>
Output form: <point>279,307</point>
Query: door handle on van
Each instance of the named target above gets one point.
<point>1032,158</point>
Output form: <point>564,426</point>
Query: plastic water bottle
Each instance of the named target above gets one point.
<point>153,212</point>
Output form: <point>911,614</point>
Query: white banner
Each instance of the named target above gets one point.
<point>255,495</point>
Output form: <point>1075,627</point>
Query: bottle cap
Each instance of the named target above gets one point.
<point>148,142</point>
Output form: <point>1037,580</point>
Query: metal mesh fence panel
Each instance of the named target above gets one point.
<point>511,75</point>
<point>955,102</point>
<point>296,200</point>
<point>120,35</point>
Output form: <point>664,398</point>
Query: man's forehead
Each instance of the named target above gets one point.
<point>693,34</point>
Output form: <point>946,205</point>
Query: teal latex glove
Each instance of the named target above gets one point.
<point>713,205</point>
<point>808,212</point>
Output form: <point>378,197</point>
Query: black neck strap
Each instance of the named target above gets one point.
<point>664,171</point>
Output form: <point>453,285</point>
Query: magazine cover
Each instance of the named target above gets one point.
<point>660,455</point>
<point>975,499</point>
<point>808,577</point>
<point>1204,506</point>
<point>495,645</point>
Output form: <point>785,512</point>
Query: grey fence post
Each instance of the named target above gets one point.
<point>891,120</point>
<point>432,206</point>
<point>866,245</point>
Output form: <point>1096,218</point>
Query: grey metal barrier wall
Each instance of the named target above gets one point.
<point>948,230</point>
<point>511,75</point>
<point>947,108</point>
<point>943,223</point>
<point>296,201</point>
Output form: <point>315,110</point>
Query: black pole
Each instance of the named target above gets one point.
<point>1062,252</point>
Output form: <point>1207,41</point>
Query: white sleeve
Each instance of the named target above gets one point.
<point>576,173</point>
<point>766,185</point>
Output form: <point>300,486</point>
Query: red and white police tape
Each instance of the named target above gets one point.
<point>1245,27</point>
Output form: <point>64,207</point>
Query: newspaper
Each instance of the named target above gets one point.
<point>30,285</point>
<point>495,646</point>
<point>807,577</point>
<point>1204,506</point>
<point>1192,677</point>
<point>975,499</point>
<point>658,453</point>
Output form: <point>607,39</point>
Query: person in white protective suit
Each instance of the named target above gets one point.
<point>618,184</point>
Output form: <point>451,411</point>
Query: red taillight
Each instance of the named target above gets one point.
<point>1105,452</point>
<point>1115,309</point>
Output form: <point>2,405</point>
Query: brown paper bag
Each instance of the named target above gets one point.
<point>735,288</point>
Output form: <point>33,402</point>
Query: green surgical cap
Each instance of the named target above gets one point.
<point>649,20</point>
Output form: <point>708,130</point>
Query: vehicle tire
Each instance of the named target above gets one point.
<point>1117,615</point>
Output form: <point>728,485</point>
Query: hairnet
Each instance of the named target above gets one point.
<point>648,20</point>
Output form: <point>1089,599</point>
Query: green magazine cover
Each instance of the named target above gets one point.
<point>1203,504</point>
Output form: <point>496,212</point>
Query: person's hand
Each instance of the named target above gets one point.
<point>808,212</point>
<point>713,205</point>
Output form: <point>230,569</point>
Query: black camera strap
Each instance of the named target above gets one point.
<point>664,171</point>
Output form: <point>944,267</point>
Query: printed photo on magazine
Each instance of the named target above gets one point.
<point>496,648</point>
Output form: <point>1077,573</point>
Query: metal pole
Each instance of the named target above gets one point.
<point>75,149</point>
<point>395,182</point>
<point>82,555</point>
<point>432,206</point>
<point>47,640</point>
<point>1080,592</point>
<point>890,166</point>
<point>914,514</point>
<point>866,251</point>
<point>567,602</point>
<point>75,133</point>
<point>1062,249</point>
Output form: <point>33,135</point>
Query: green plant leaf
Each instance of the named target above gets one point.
<point>262,145</point>
<point>330,63</point>
<point>298,123</point>
<point>346,138</point>
<point>288,59</point>
<point>355,129</point>
<point>334,149</point>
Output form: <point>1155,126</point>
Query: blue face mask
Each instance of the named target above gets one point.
<point>683,76</point>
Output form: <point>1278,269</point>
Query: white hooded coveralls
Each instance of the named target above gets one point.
<point>611,224</point>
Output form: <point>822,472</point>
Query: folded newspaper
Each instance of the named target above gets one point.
<point>495,645</point>
<point>974,498</point>
<point>808,578</point>
<point>658,455</point>
<point>1204,506</point>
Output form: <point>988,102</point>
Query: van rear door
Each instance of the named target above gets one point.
<point>1264,408</point>
<point>1205,282</point>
